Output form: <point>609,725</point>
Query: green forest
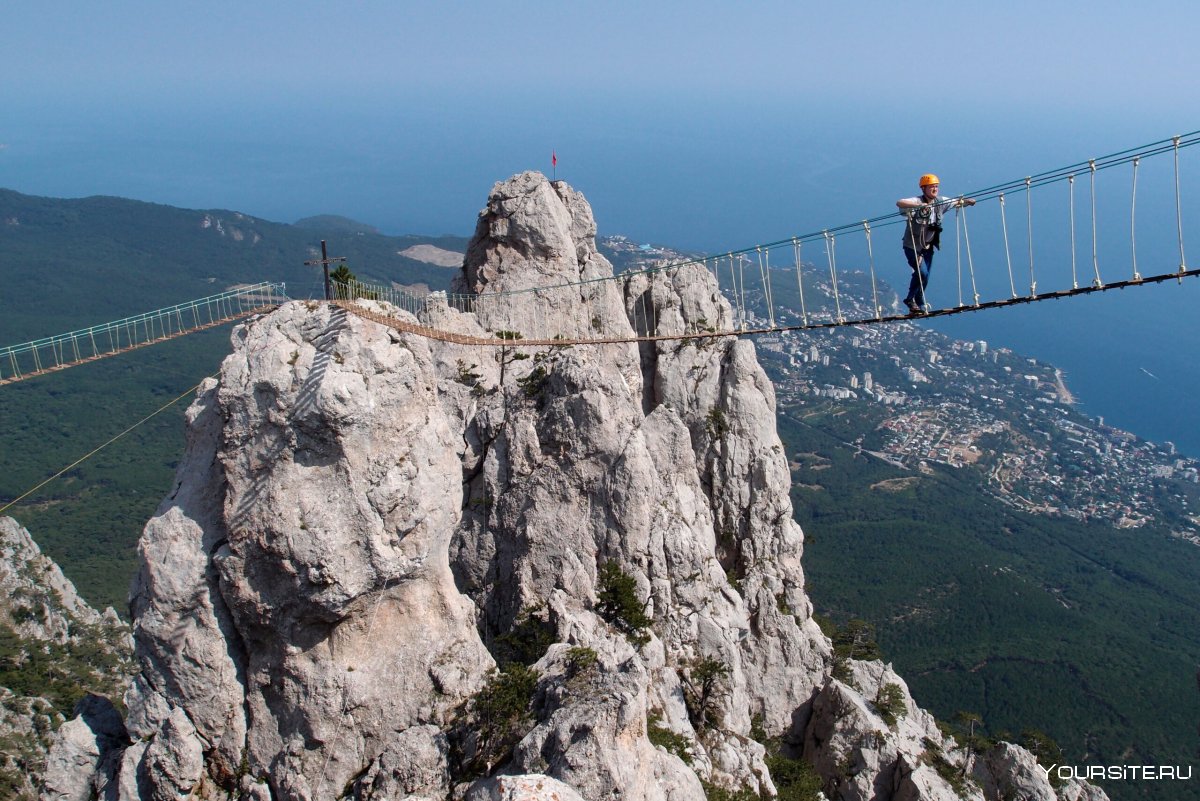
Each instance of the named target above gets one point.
<point>1084,632</point>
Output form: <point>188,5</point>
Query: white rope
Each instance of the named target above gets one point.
<point>1029,230</point>
<point>830,246</point>
<point>1074,274</point>
<point>1179,210</point>
<point>871,261</point>
<point>912,240</point>
<point>1007,256</point>
<point>1095,256</point>
<point>970,259</point>
<point>740,278</point>
<point>1133,220</point>
<point>800,281</point>
<point>958,251</point>
<point>645,317</point>
<point>766,286</point>
<point>770,293</point>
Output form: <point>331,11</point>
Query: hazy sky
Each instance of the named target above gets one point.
<point>701,125</point>
<point>697,123</point>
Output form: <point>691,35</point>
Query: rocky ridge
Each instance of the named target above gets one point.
<point>399,568</point>
<point>52,644</point>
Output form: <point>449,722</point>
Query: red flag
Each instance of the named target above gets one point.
<point>553,159</point>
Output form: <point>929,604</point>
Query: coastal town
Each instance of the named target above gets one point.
<point>927,399</point>
<point>918,399</point>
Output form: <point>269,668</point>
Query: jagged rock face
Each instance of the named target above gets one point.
<point>40,612</point>
<point>366,522</point>
<point>38,601</point>
<point>313,620</point>
<point>535,234</point>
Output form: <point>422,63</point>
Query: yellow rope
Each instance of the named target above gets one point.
<point>92,453</point>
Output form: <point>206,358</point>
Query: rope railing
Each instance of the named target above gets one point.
<point>49,354</point>
<point>624,307</point>
<point>845,289</point>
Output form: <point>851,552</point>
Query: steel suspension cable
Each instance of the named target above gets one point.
<point>99,448</point>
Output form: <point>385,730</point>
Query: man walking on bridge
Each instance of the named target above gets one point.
<point>922,234</point>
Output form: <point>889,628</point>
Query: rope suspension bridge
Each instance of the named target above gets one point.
<point>1092,230</point>
<point>1087,221</point>
<point>55,353</point>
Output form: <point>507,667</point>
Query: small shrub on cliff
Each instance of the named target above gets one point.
<point>469,378</point>
<point>534,384</point>
<point>856,641</point>
<point>716,424</point>
<point>795,779</point>
<point>936,759</point>
<point>579,660</point>
<point>1045,750</point>
<point>663,737</point>
<point>618,604</point>
<point>526,641</point>
<point>704,683</point>
<point>890,703</point>
<point>501,712</point>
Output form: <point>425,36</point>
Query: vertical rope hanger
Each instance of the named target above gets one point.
<point>1007,256</point>
<point>1029,231</point>
<point>733,297</point>
<point>800,280</point>
<point>1071,190</point>
<point>1133,220</point>
<point>739,277</point>
<point>871,261</point>
<point>970,260</point>
<point>1179,210</point>
<point>762,276</point>
<point>770,292</point>
<point>1095,256</point>
<point>958,251</point>
<point>830,247</point>
<point>764,269</point>
<point>654,314</point>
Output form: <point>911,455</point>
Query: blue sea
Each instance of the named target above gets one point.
<point>683,172</point>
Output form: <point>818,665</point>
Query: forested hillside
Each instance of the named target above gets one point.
<point>67,264</point>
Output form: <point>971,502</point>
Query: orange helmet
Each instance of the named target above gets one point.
<point>929,178</point>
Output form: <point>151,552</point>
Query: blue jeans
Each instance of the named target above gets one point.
<point>920,277</point>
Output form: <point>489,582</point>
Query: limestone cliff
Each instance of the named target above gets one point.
<point>53,644</point>
<point>400,568</point>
